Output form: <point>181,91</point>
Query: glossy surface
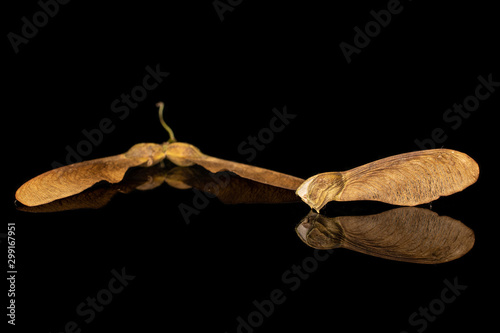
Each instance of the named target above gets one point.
<point>84,85</point>
<point>408,234</point>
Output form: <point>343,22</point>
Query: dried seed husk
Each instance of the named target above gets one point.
<point>407,179</point>
<point>184,154</point>
<point>75,178</point>
<point>100,194</point>
<point>229,188</point>
<point>92,198</point>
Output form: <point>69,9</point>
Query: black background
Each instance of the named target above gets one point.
<point>225,79</point>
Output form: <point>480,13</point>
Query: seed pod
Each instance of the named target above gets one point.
<point>407,179</point>
<point>75,178</point>
<point>184,154</point>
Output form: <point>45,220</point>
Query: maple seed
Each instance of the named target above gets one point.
<point>185,154</point>
<point>407,179</point>
<point>75,178</point>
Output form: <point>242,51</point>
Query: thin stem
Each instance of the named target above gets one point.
<point>161,106</point>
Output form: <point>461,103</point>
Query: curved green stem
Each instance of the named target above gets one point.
<point>161,106</point>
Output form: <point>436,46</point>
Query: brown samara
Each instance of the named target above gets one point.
<point>407,179</point>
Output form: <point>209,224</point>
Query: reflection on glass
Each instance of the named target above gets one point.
<point>226,186</point>
<point>408,234</point>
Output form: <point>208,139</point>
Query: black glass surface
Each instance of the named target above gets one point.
<point>298,88</point>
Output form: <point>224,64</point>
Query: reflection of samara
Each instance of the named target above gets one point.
<point>410,234</point>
